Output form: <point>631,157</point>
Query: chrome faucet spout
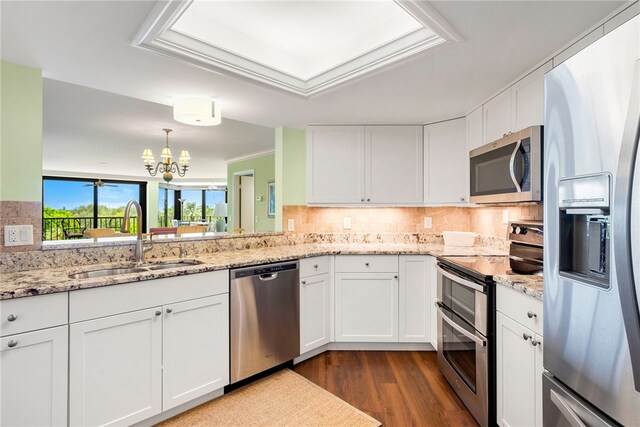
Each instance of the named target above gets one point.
<point>139,249</point>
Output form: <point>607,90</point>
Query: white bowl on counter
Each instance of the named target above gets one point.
<point>459,238</point>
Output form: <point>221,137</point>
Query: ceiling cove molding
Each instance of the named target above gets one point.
<point>156,35</point>
<point>250,156</point>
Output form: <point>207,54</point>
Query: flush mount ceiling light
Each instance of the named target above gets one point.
<point>167,166</point>
<point>301,47</point>
<point>197,112</point>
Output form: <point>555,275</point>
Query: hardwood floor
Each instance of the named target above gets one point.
<point>398,388</point>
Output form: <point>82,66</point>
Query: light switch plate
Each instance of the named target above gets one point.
<point>346,223</point>
<point>428,223</point>
<point>290,224</point>
<point>18,235</point>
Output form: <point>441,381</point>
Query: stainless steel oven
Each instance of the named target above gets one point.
<point>465,338</point>
<point>509,169</point>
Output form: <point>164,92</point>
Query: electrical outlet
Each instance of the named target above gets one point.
<point>346,223</point>
<point>505,216</point>
<point>428,223</point>
<point>290,224</point>
<point>18,235</point>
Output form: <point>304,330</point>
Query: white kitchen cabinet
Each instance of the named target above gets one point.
<point>116,369</point>
<point>528,98</point>
<point>446,160</point>
<point>497,117</point>
<point>315,311</point>
<point>335,164</point>
<point>195,344</point>
<point>474,129</point>
<point>364,165</point>
<point>414,295</point>
<point>393,168</point>
<point>33,378</point>
<point>519,351</point>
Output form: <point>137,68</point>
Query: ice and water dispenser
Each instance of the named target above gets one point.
<point>585,228</point>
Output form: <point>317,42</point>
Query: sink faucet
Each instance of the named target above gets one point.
<point>139,248</point>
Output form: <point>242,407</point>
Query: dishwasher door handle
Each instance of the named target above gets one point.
<point>267,277</point>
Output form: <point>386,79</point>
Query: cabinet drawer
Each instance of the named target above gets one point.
<point>522,308</point>
<point>366,264</point>
<point>31,313</point>
<point>313,266</point>
<point>109,300</point>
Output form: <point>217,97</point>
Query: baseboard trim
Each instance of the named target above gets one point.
<point>364,346</point>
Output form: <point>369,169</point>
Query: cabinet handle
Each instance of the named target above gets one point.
<point>362,200</point>
<point>368,200</point>
<point>366,264</point>
<point>12,317</point>
<point>526,336</point>
<point>304,282</point>
<point>531,314</point>
<point>315,265</point>
<point>169,310</point>
<point>12,343</point>
<point>395,277</point>
<point>535,343</point>
<point>462,199</point>
<point>158,312</point>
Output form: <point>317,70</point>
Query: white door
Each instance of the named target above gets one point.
<point>33,378</point>
<point>446,160</point>
<point>315,306</point>
<point>366,307</point>
<point>247,219</point>
<point>474,129</point>
<point>528,98</point>
<point>393,169</point>
<point>195,349</point>
<point>517,384</point>
<point>414,297</point>
<point>335,164</point>
<point>497,114</point>
<point>115,369</point>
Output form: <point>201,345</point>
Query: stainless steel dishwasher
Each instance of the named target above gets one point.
<point>265,317</point>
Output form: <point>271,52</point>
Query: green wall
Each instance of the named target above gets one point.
<point>291,170</point>
<point>263,171</point>
<point>21,134</point>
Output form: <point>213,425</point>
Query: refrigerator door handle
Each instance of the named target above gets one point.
<point>566,410</point>
<point>622,218</point>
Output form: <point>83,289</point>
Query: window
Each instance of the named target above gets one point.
<point>212,198</point>
<point>70,206</point>
<point>166,207</point>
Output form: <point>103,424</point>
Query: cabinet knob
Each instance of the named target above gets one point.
<point>535,343</point>
<point>315,265</point>
<point>362,200</point>
<point>531,314</point>
<point>12,317</point>
<point>368,200</point>
<point>12,343</point>
<point>462,199</point>
<point>304,282</point>
<point>366,264</point>
<point>526,336</point>
<point>169,310</point>
<point>395,277</point>
<point>158,312</point>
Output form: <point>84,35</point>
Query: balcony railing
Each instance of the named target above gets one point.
<point>72,228</point>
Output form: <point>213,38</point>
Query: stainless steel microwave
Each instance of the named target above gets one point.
<point>509,169</point>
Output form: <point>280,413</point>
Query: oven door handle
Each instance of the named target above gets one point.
<point>454,325</point>
<point>512,167</point>
<point>460,280</point>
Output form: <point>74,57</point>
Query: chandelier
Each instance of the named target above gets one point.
<point>166,166</point>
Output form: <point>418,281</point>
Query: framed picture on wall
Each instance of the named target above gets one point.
<point>271,206</point>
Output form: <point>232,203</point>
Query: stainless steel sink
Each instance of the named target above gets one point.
<point>114,271</point>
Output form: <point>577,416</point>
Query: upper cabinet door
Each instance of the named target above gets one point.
<point>446,160</point>
<point>393,164</point>
<point>497,116</point>
<point>474,129</point>
<point>528,98</point>
<point>335,164</point>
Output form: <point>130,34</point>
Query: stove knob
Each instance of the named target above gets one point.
<point>518,230</point>
<point>513,230</point>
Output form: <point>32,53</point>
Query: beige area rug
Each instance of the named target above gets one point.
<point>282,399</point>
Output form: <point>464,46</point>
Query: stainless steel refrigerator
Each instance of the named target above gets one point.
<point>592,235</point>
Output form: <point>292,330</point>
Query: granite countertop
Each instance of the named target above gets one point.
<point>530,285</point>
<point>47,281</point>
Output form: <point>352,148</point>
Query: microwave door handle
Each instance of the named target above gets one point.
<point>454,325</point>
<point>512,167</point>
<point>622,218</point>
<point>459,280</point>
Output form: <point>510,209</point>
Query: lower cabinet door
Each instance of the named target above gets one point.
<point>33,378</point>
<point>414,298</point>
<point>116,369</point>
<point>366,307</point>
<point>315,306</point>
<point>518,365</point>
<point>195,348</point>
